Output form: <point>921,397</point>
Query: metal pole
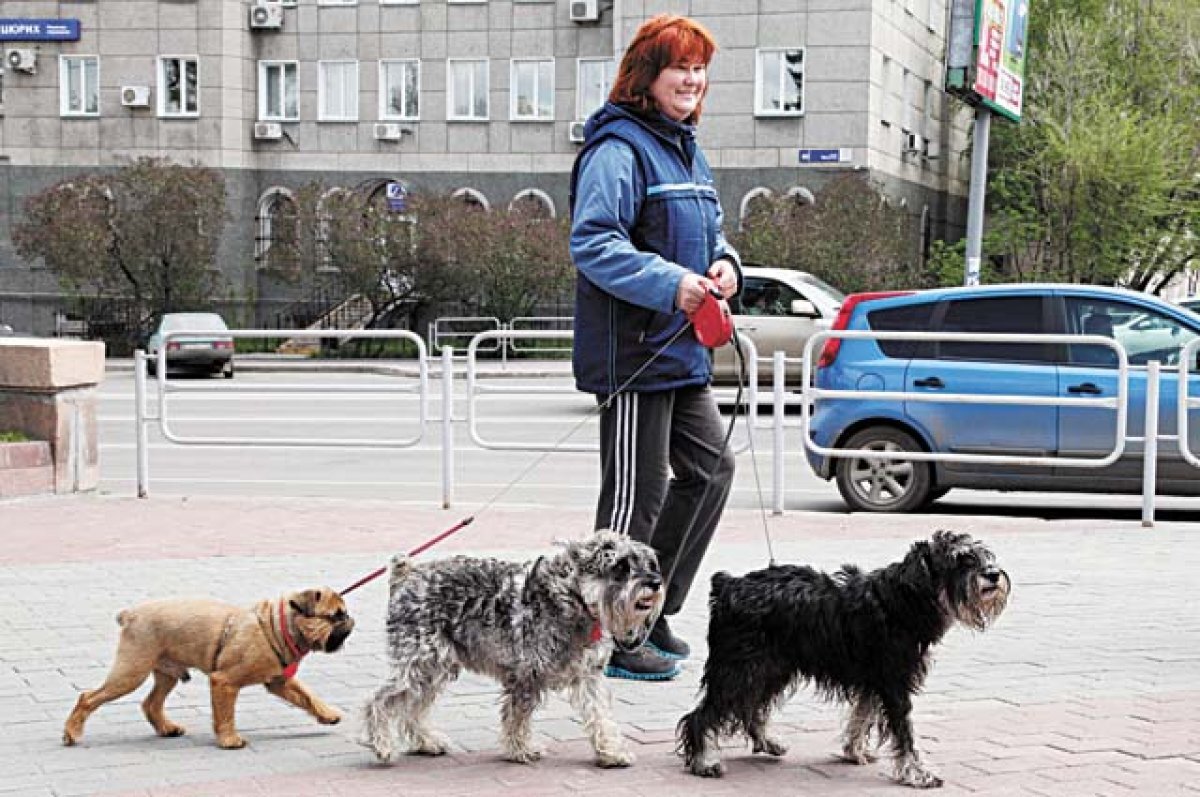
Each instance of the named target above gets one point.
<point>447,426</point>
<point>139,415</point>
<point>1150,444</point>
<point>978,193</point>
<point>777,414</point>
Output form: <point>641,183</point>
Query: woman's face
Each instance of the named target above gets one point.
<point>679,88</point>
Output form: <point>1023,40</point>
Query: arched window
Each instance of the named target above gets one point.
<point>756,200</point>
<point>325,204</point>
<point>532,203</point>
<point>276,224</point>
<point>802,195</point>
<point>472,197</point>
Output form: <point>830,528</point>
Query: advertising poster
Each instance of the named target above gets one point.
<point>1000,32</point>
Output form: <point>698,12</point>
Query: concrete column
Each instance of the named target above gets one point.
<point>48,393</point>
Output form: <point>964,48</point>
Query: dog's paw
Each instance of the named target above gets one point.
<point>770,746</point>
<point>857,755</point>
<point>524,755</point>
<point>614,759</point>
<point>708,768</point>
<point>69,739</point>
<point>231,742</point>
<point>431,743</point>
<point>917,776</point>
<point>329,718</point>
<point>170,730</point>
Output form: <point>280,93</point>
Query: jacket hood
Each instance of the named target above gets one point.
<point>662,126</point>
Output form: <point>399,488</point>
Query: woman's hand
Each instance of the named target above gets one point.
<point>691,292</point>
<point>724,276</point>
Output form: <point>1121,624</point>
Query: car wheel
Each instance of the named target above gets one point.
<point>883,485</point>
<point>229,371</point>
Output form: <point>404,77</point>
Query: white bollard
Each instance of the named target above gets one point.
<point>1150,445</point>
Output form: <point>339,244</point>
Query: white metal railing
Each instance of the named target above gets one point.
<point>1187,356</point>
<point>168,388</point>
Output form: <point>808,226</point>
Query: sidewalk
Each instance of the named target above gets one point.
<point>1089,685</point>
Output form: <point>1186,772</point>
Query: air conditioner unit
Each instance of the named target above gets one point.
<point>912,143</point>
<point>135,96</point>
<point>22,60</point>
<point>585,10</point>
<point>385,131</point>
<point>268,130</point>
<point>575,132</point>
<point>266,15</point>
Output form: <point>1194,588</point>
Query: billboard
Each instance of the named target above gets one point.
<point>990,71</point>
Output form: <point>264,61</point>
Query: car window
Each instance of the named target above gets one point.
<point>824,287</point>
<point>906,318</point>
<point>1003,314</point>
<point>1145,333</point>
<point>764,296</point>
<point>198,321</point>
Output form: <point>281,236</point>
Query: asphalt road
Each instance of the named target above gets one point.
<point>481,476</point>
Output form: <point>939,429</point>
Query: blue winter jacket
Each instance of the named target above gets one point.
<point>643,213</point>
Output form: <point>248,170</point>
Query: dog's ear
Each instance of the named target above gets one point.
<point>307,603</point>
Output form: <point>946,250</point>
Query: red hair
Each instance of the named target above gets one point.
<point>660,42</point>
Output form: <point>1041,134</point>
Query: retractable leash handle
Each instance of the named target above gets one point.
<point>712,320</point>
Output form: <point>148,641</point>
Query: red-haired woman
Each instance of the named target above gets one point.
<point>646,240</point>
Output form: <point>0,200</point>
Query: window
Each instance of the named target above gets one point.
<point>337,2</point>
<point>178,86</point>
<point>779,82</point>
<point>594,79</point>
<point>337,91</point>
<point>472,198</point>
<point>79,85</point>
<point>276,225</point>
<point>278,91</point>
<point>1145,334</point>
<point>1009,314</point>
<point>906,318</point>
<point>467,97</point>
<point>400,89</point>
<point>762,296</point>
<point>532,203</point>
<point>532,89</point>
<point>399,2</point>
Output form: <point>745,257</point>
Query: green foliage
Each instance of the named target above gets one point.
<point>1101,182</point>
<point>147,232</point>
<point>850,237</point>
<point>13,437</point>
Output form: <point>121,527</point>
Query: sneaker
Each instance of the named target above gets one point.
<point>642,664</point>
<point>666,644</point>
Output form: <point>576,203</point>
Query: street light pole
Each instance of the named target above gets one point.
<point>978,191</point>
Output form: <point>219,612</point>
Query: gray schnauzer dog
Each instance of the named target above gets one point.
<point>549,624</point>
<point>862,638</point>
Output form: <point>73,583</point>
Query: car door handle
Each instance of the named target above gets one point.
<point>1087,387</point>
<point>931,381</point>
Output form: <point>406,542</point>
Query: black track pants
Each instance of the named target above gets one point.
<point>656,453</point>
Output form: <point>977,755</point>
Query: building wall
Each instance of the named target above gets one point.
<point>872,72</point>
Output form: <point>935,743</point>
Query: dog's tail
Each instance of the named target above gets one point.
<point>399,568</point>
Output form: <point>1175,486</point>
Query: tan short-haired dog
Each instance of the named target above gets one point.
<point>235,646</point>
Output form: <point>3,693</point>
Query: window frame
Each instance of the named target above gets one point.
<point>64,109</point>
<point>161,99</point>
<point>581,113</point>
<point>760,82</point>
<point>539,62</point>
<point>384,86</point>
<point>351,112</point>
<point>263,68</point>
<point>450,95</point>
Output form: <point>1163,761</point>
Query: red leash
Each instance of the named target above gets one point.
<point>419,549</point>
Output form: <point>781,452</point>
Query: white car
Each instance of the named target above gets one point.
<point>778,309</point>
<point>210,351</point>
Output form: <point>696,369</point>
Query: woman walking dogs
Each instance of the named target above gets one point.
<point>646,240</point>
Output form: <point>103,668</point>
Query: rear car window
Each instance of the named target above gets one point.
<point>1006,314</point>
<point>906,318</point>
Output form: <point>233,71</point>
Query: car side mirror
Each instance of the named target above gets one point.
<point>804,308</point>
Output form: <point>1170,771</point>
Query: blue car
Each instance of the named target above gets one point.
<point>1146,327</point>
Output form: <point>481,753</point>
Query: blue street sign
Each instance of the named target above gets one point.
<point>397,197</point>
<point>824,156</point>
<point>39,30</point>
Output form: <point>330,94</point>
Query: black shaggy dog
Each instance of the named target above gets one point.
<point>862,638</point>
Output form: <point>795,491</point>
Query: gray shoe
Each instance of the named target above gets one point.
<point>667,644</point>
<point>642,664</point>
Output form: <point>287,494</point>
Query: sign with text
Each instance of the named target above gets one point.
<point>809,156</point>
<point>1000,32</point>
<point>397,197</point>
<point>39,30</point>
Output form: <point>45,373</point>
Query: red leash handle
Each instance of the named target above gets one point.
<point>415,551</point>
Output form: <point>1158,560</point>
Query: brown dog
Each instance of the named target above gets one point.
<point>235,646</point>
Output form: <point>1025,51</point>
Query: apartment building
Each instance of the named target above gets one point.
<point>483,98</point>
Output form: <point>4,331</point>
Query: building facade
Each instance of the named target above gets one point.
<point>479,97</point>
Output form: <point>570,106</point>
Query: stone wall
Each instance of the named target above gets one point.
<point>48,393</point>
